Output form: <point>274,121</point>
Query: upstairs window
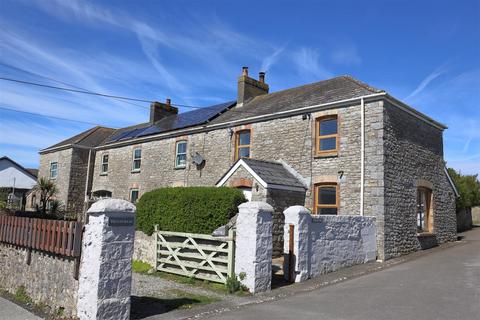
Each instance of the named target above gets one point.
<point>53,170</point>
<point>133,195</point>
<point>326,199</point>
<point>105,164</point>
<point>242,144</point>
<point>424,208</point>
<point>326,135</point>
<point>137,159</point>
<point>181,154</point>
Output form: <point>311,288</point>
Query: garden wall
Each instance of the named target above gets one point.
<point>144,248</point>
<point>47,279</point>
<point>327,243</point>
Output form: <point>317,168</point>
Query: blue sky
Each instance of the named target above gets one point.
<point>425,53</point>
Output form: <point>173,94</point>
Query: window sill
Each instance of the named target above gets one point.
<point>103,174</point>
<point>326,155</point>
<point>425,234</point>
<point>180,168</point>
<point>135,171</point>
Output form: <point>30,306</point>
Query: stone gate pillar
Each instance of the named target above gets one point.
<point>253,252</point>
<point>299,217</point>
<point>106,264</point>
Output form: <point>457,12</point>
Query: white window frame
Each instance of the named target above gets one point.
<point>139,159</point>
<point>53,176</point>
<point>177,154</point>
<point>131,193</point>
<point>104,163</point>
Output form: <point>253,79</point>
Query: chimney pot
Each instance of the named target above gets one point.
<point>261,77</point>
<point>168,102</point>
<point>245,71</point>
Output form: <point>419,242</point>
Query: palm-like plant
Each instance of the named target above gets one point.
<point>48,190</point>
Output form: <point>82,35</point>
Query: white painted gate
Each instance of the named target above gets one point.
<point>195,255</point>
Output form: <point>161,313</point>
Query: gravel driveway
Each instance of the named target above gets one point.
<point>154,296</point>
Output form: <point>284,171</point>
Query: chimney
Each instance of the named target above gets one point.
<point>249,88</point>
<point>160,110</point>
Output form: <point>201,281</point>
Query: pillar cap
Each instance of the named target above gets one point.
<point>256,205</point>
<point>112,205</point>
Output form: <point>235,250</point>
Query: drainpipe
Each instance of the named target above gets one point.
<point>362,152</point>
<point>87,182</point>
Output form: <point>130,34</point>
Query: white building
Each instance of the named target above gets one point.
<point>16,179</point>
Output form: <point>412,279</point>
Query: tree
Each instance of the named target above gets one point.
<point>48,190</point>
<point>468,187</point>
<point>3,197</point>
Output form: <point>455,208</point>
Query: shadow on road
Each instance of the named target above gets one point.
<point>143,307</point>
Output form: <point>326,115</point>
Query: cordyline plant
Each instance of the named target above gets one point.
<point>48,190</point>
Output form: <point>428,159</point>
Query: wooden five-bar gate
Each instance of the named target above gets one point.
<point>195,255</point>
<point>54,236</point>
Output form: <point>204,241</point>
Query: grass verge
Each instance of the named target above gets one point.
<point>193,299</point>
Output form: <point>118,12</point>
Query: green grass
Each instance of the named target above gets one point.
<point>140,266</point>
<point>193,299</point>
<point>22,296</point>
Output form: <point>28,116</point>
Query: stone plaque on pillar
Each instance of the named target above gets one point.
<point>106,263</point>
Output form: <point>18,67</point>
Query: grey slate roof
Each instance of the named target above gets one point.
<point>90,138</point>
<point>273,173</point>
<point>331,90</point>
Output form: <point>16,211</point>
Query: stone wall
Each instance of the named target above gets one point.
<point>78,177</point>
<point>72,175</point>
<point>64,160</point>
<point>288,139</point>
<point>327,243</point>
<point>464,219</point>
<point>413,153</point>
<point>47,279</point>
<point>476,216</point>
<point>145,248</point>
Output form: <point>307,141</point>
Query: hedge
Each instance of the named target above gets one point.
<point>187,209</point>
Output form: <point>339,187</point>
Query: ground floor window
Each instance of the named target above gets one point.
<point>424,208</point>
<point>326,198</point>
<point>133,195</point>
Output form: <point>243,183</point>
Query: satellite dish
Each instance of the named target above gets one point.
<point>198,159</point>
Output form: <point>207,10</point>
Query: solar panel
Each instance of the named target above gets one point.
<point>186,119</point>
<point>182,120</point>
<point>131,134</point>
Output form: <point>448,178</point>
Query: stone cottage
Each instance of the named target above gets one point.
<point>337,146</point>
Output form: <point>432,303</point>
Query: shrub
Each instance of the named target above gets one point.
<point>233,283</point>
<point>190,209</point>
<point>468,187</point>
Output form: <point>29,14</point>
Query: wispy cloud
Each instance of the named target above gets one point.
<point>427,80</point>
<point>308,63</point>
<point>271,59</point>
<point>347,55</point>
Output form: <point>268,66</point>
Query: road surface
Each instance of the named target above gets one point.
<point>442,285</point>
<point>10,311</point>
